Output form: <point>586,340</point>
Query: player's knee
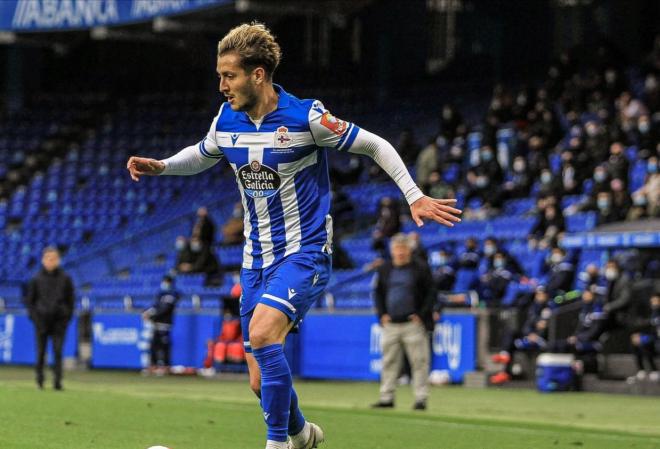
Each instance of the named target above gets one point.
<point>261,336</point>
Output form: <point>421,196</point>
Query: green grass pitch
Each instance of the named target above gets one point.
<point>121,410</point>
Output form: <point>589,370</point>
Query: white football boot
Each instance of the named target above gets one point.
<point>315,438</point>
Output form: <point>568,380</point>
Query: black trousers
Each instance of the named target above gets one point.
<point>56,330</point>
<point>160,348</point>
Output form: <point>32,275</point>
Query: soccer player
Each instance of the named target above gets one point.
<point>276,145</point>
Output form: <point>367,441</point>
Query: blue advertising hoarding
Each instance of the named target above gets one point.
<point>50,15</point>
<point>122,340</point>
<point>349,346</point>
<point>17,340</point>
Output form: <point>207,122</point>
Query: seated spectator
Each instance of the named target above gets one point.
<point>437,188</point>
<point>591,279</point>
<point>427,163</point>
<point>205,261</point>
<point>443,268</point>
<point>620,198</point>
<point>470,258</point>
<point>184,256</point>
<point>588,330</point>
<point>232,230</point>
<point>550,223</point>
<point>341,210</point>
<point>388,223</point>
<point>531,336</point>
<point>645,342</point>
<point>550,184</point>
<point>204,228</point>
<point>562,272</point>
<point>646,200</point>
<point>607,213</point>
<point>496,280</point>
<point>617,163</point>
<point>519,181</point>
<point>407,147</point>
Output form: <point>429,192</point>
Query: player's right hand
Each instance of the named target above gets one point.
<point>139,166</point>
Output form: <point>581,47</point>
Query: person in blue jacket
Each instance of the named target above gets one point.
<point>161,314</point>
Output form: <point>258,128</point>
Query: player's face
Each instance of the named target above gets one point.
<point>235,83</point>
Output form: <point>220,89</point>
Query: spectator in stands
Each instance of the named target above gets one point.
<point>427,163</point>
<point>341,210</point>
<point>620,198</point>
<point>204,228</point>
<point>562,272</point>
<point>444,270</point>
<point>619,295</point>
<point>571,178</point>
<point>407,147</point>
<point>549,184</point>
<point>470,258</point>
<point>50,303</point>
<point>588,330</point>
<point>387,224</point>
<point>161,314</point>
<point>205,261</point>
<point>646,200</point>
<point>607,213</point>
<point>550,223</point>
<point>451,122</point>
<point>404,297</point>
<point>591,279</point>
<point>617,163</point>
<point>519,181</point>
<point>496,280</point>
<point>184,256</point>
<point>595,143</point>
<point>419,253</point>
<point>437,188</point>
<point>644,341</point>
<point>232,230</point>
<point>531,336</point>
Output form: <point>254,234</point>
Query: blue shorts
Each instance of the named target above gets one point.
<point>291,286</point>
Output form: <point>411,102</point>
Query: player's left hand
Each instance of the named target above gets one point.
<point>440,211</point>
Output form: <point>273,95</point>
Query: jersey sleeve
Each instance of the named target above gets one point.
<point>330,131</point>
<point>208,146</point>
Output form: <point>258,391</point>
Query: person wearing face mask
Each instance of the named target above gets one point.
<point>549,184</point>
<point>469,259</point>
<point>496,280</point>
<point>592,280</point>
<point>617,163</point>
<point>184,256</point>
<point>205,261</point>
<point>550,223</point>
<point>562,272</point>
<point>645,342</point>
<point>619,295</point>
<point>443,268</point>
<point>519,181</point>
<point>489,166</point>
<point>161,314</point>
<point>204,228</point>
<point>232,230</point>
<point>646,199</point>
<point>621,201</point>
<point>589,328</point>
<point>647,134</point>
<point>606,210</point>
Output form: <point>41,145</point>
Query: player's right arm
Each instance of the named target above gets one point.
<point>189,161</point>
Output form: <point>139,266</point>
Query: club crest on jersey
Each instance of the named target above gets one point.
<point>258,180</point>
<point>333,123</point>
<point>282,138</point>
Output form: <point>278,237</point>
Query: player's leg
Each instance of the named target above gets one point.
<point>416,344</point>
<point>292,288</point>
<point>268,328</point>
<point>296,418</point>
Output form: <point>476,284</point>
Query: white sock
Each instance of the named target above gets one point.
<point>270,444</point>
<point>301,438</point>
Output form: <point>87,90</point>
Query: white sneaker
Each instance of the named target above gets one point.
<point>315,437</point>
<point>639,377</point>
<point>654,376</point>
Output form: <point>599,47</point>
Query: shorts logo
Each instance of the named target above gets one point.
<point>258,180</point>
<point>282,138</point>
<point>292,293</point>
<point>333,123</point>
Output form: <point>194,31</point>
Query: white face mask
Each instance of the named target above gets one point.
<point>611,274</point>
<point>556,258</point>
<point>164,286</point>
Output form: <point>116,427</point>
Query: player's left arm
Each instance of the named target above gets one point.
<point>329,131</point>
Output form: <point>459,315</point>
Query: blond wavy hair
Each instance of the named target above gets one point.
<point>256,46</point>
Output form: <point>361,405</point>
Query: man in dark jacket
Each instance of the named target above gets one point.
<point>50,301</point>
<point>404,297</point>
<point>161,314</point>
<point>204,228</point>
<point>618,297</point>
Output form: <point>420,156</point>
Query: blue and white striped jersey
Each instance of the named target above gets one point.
<point>281,170</point>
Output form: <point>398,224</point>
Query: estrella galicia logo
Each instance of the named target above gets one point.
<point>258,180</point>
